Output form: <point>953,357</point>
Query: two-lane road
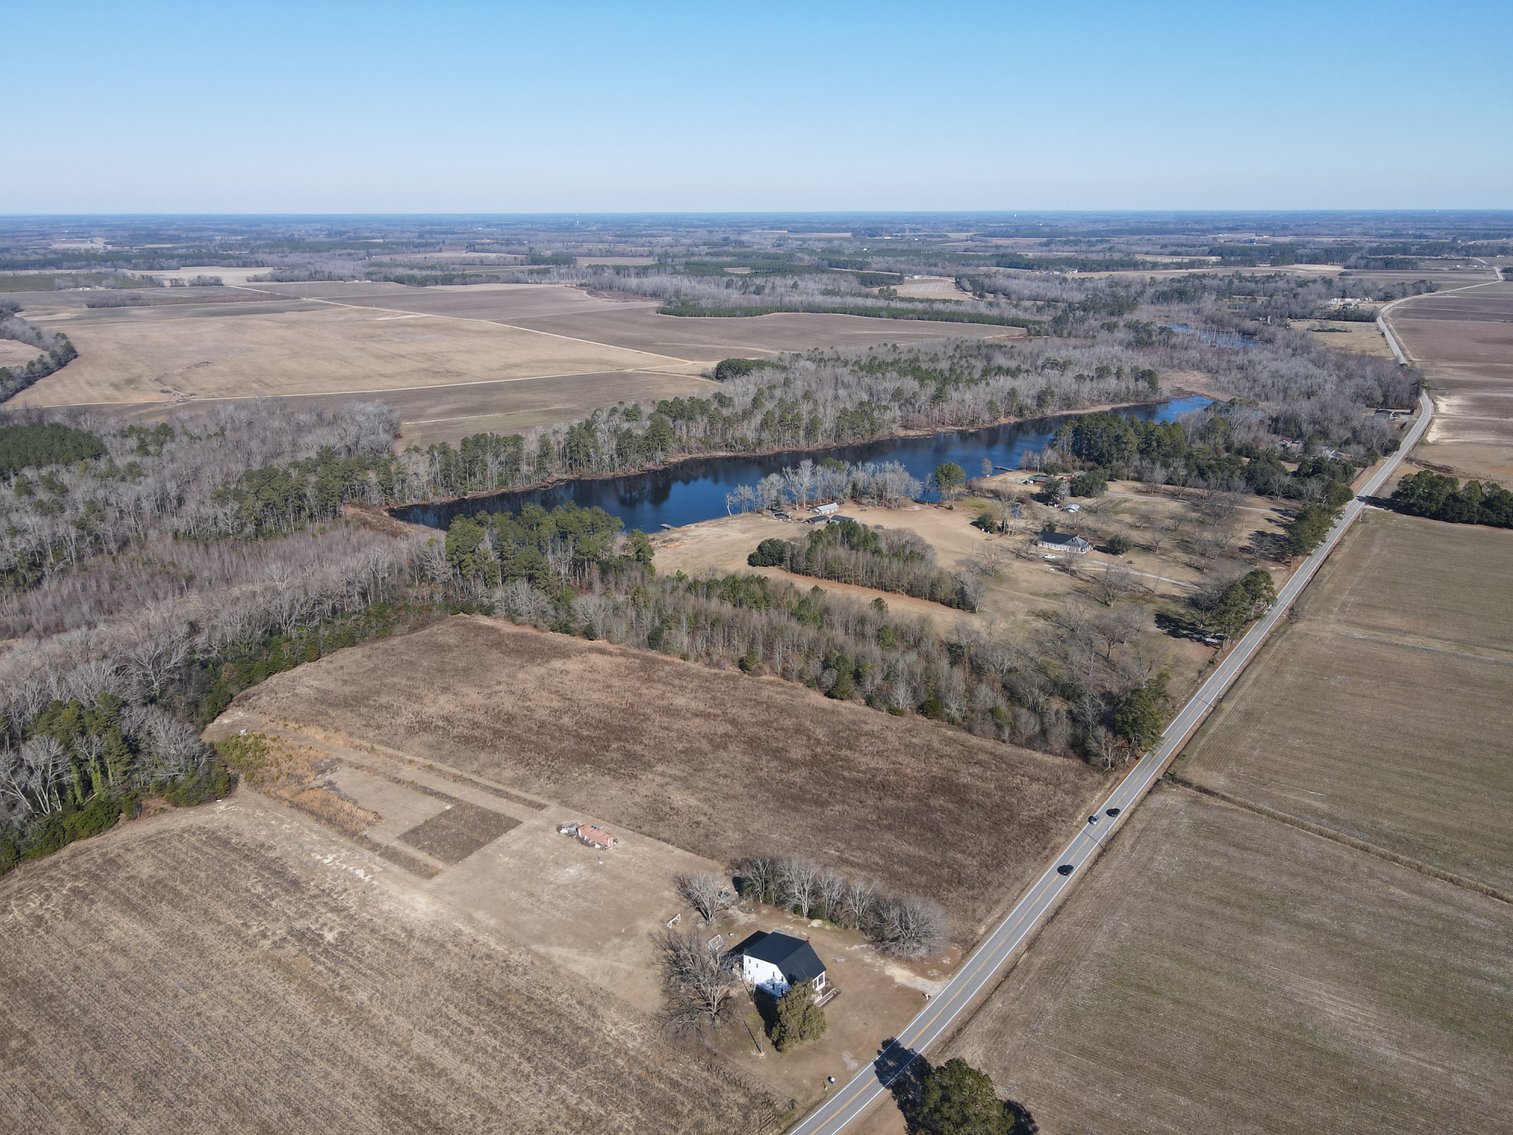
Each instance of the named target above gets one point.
<point>987,962</point>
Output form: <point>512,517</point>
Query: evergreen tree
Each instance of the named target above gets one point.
<point>957,1099</point>
<point>798,1018</point>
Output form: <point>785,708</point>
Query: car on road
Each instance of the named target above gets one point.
<point>1065,869</point>
<point>1093,819</point>
<point>1111,811</point>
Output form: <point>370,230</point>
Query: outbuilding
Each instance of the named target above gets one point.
<point>828,509</point>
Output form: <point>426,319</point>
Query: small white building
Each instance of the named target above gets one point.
<point>829,509</point>
<point>1071,508</point>
<point>776,962</point>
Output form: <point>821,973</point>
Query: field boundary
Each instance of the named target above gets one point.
<point>1263,810</point>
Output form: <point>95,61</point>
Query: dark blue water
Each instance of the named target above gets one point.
<point>694,490</point>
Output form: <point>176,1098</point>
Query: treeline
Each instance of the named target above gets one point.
<point>900,925</point>
<point>1209,453</point>
<point>1442,497</point>
<point>56,351</point>
<point>847,552</point>
<point>829,479</point>
<point>124,637</point>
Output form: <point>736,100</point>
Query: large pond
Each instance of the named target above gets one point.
<point>694,490</point>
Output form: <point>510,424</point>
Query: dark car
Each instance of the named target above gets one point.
<point>1093,819</point>
<point>1111,811</point>
<point>1064,869</point>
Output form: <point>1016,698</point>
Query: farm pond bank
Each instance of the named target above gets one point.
<point>694,490</point>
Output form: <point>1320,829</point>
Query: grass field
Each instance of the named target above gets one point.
<point>451,360</point>
<point>1221,972</point>
<point>718,764</point>
<point>1464,343</point>
<point>1382,710</point>
<point>231,968</point>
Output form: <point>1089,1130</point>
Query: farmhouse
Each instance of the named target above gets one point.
<point>774,963</point>
<point>1063,542</point>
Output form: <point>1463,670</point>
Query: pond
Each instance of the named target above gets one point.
<point>694,490</point>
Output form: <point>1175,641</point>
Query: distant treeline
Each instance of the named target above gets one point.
<point>1442,497</point>
<point>900,310</point>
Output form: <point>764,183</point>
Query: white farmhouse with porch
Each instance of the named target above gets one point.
<point>776,962</point>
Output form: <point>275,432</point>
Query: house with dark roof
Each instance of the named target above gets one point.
<point>1063,542</point>
<point>775,962</point>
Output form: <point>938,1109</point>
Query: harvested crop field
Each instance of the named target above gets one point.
<point>451,360</point>
<point>1222,972</point>
<point>718,764</point>
<point>230,968</point>
<point>1346,335</point>
<point>14,354</point>
<point>1464,343</point>
<point>1382,710</point>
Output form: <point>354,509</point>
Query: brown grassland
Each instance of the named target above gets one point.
<point>1382,710</point>
<point>1464,343</point>
<point>1222,972</point>
<point>232,968</point>
<point>716,763</point>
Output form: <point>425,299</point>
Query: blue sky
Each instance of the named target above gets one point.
<point>253,106</point>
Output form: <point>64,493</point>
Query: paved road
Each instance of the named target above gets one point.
<point>985,964</point>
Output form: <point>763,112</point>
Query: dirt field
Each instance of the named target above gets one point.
<point>451,360</point>
<point>231,968</point>
<point>1464,343</point>
<point>1383,710</point>
<point>1221,972</point>
<point>1346,335</point>
<point>718,764</point>
<point>930,288</point>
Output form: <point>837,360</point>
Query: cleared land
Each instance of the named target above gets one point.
<point>231,968</point>
<point>1382,711</point>
<point>1221,972</point>
<point>1165,563</point>
<point>718,764</point>
<point>1347,335</point>
<point>451,360</point>
<point>1464,343</point>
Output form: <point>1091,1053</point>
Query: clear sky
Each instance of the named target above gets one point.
<point>323,106</point>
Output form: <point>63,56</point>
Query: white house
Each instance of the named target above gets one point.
<point>776,962</point>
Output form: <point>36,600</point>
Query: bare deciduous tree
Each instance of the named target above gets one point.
<point>709,894</point>
<point>700,992</point>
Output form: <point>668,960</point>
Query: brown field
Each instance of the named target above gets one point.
<point>1381,711</point>
<point>931,288</point>
<point>14,354</point>
<point>231,968</point>
<point>1346,335</point>
<point>717,764</point>
<point>1222,972</point>
<point>1464,343</point>
<point>451,360</point>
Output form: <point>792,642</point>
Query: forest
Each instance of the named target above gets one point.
<point>1443,497</point>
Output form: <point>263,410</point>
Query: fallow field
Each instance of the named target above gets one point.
<point>451,360</point>
<point>1382,710</point>
<point>233,968</point>
<point>718,764</point>
<point>1464,343</point>
<point>1222,972</point>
